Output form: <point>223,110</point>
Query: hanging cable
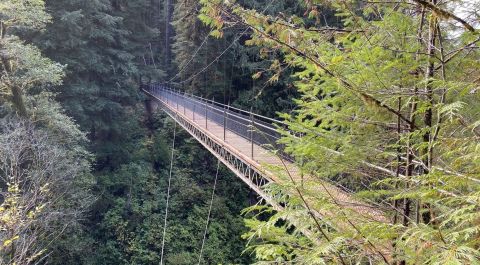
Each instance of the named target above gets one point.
<point>151,55</point>
<point>168,193</point>
<point>223,52</point>
<point>209,213</point>
<point>216,58</point>
<point>185,65</point>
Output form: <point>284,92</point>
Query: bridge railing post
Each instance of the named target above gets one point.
<point>169,94</point>
<point>194,109</point>
<point>212,107</point>
<point>206,114</point>
<point>184,103</point>
<point>176,98</point>
<point>224,123</point>
<point>252,128</point>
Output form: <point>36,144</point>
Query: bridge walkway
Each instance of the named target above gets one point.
<point>245,142</point>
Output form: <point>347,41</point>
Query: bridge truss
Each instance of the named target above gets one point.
<point>247,144</point>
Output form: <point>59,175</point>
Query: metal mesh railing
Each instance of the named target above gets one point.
<point>257,129</point>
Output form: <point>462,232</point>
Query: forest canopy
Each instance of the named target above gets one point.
<point>379,103</point>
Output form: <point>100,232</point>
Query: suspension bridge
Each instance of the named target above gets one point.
<point>247,143</point>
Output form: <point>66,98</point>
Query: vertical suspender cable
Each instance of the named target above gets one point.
<point>209,213</point>
<point>168,193</point>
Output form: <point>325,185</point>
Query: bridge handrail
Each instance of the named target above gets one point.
<point>256,128</point>
<point>224,105</point>
<point>236,116</point>
<point>263,119</point>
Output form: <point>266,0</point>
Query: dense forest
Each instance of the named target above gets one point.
<point>380,99</point>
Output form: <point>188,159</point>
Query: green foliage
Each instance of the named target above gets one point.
<point>31,68</point>
<point>386,116</point>
<point>45,169</point>
<point>23,66</point>
<point>380,113</point>
<point>103,48</point>
<point>27,14</point>
<point>132,208</point>
<point>47,187</point>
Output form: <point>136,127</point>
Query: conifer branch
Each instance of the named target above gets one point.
<point>349,86</point>
<point>383,256</point>
<point>445,14</point>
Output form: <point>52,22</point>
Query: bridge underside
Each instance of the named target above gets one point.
<point>207,134</point>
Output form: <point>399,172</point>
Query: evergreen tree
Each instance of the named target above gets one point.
<point>386,111</point>
<point>101,87</point>
<point>114,47</point>
<point>44,167</point>
<point>223,69</point>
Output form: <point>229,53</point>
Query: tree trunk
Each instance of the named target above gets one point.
<point>18,101</point>
<point>428,116</point>
<point>17,94</point>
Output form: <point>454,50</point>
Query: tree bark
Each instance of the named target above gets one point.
<point>18,101</point>
<point>428,116</point>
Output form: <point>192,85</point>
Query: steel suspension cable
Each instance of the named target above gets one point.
<point>168,193</point>
<point>209,214</point>
<point>224,51</point>
<point>185,65</point>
